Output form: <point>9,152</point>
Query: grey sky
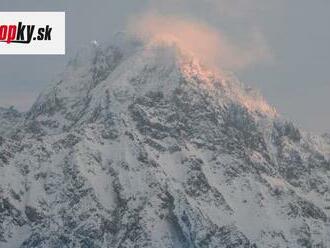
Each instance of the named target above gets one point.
<point>296,82</point>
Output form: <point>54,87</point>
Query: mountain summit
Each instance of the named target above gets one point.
<point>141,145</point>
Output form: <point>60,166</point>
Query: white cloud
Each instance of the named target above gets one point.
<point>208,43</point>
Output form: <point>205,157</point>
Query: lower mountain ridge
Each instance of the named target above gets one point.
<point>141,146</point>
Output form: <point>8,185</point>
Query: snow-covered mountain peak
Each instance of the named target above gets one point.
<point>128,69</point>
<point>143,146</point>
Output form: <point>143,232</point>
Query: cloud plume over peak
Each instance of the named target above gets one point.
<point>210,45</point>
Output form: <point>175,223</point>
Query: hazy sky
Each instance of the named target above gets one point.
<point>295,33</point>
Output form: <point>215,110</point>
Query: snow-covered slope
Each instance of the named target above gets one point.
<point>141,146</point>
<point>9,118</point>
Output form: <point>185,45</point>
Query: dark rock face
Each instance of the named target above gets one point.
<point>142,149</point>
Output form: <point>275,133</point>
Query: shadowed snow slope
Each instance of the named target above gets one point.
<point>142,146</point>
